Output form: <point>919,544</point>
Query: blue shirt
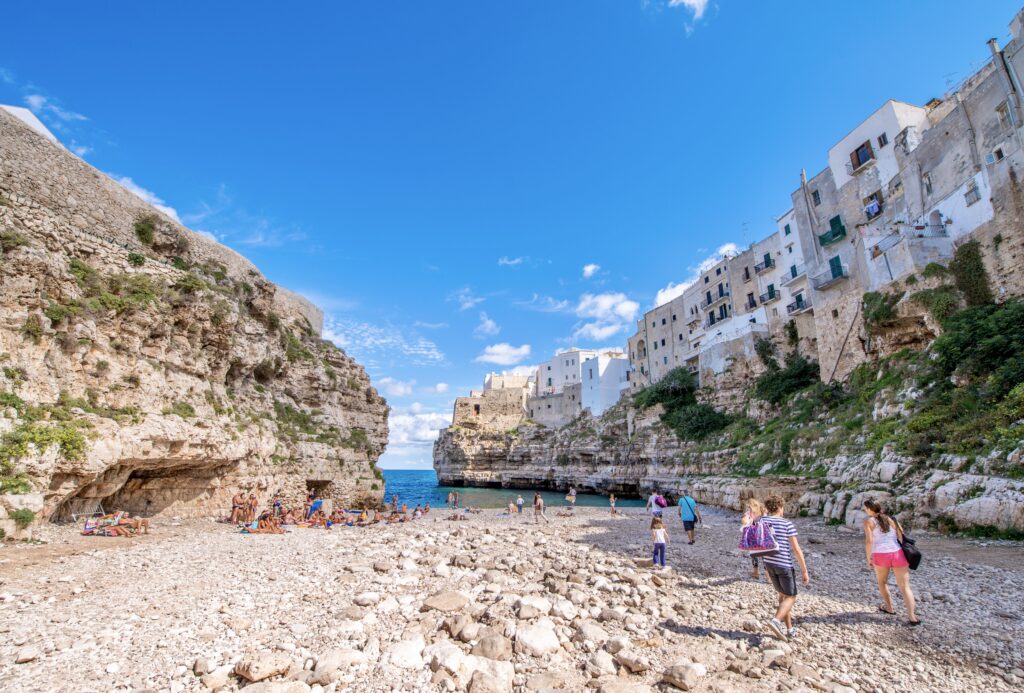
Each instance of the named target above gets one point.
<point>687,508</point>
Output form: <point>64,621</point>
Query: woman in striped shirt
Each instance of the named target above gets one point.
<point>780,567</point>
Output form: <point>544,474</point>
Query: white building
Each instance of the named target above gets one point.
<point>563,370</point>
<point>605,376</point>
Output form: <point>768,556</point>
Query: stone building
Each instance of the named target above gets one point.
<point>499,406</point>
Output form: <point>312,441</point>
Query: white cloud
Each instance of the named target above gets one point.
<point>521,370</point>
<point>381,345</point>
<point>145,195</point>
<point>465,298</point>
<point>327,303</point>
<point>606,315</point>
<point>414,429</point>
<point>504,354</point>
<point>44,105</point>
<point>486,328</point>
<point>696,6</point>
<point>393,387</point>
<point>80,150</point>
<point>674,290</point>
<point>6,76</point>
<point>590,270</point>
<point>441,388</point>
<point>504,261</point>
<point>430,325</point>
<point>544,304</point>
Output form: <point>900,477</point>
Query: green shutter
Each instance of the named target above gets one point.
<point>836,265</point>
<point>787,229</point>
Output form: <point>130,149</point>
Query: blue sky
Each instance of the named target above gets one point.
<point>437,176</point>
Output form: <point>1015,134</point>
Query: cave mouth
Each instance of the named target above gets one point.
<point>174,489</point>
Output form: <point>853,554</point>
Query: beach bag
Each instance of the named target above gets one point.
<point>758,539</point>
<point>910,550</point>
<point>661,502</point>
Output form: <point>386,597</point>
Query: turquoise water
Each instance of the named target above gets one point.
<point>418,487</point>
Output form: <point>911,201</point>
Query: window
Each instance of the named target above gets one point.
<point>883,140</point>
<point>680,336</point>
<point>926,178</point>
<point>973,194</point>
<point>873,205</point>
<point>723,312</point>
<point>707,279</point>
<point>816,197</point>
<point>655,346</point>
<point>1005,115</point>
<point>789,249</point>
<point>591,373</point>
<point>718,271</point>
<point>835,313</point>
<point>666,360</point>
<point>997,155</point>
<point>663,342</point>
<point>746,274</point>
<point>836,265</point>
<point>663,321</point>
<point>787,230</point>
<point>549,368</point>
<point>476,410</point>
<point>861,155</point>
<point>751,301</point>
<point>549,382</point>
<point>673,317</point>
<point>721,291</point>
<point>708,297</point>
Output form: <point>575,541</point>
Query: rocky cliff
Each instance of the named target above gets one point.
<point>150,368</point>
<point>824,450</point>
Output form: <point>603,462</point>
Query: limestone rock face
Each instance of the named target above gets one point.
<point>152,369</point>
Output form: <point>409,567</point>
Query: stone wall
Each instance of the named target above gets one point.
<point>185,394</point>
<point>556,410</point>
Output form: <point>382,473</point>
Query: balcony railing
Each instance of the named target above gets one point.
<point>851,169</point>
<point>770,296</point>
<point>929,231</point>
<point>885,244</point>
<point>797,307</point>
<point>766,265</point>
<point>715,300</point>
<point>751,303</point>
<point>794,273</point>
<point>832,235</point>
<point>830,276</point>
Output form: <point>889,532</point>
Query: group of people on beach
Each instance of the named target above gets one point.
<point>276,517</point>
<point>781,556</point>
<point>116,524</point>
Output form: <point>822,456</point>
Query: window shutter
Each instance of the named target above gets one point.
<point>836,265</point>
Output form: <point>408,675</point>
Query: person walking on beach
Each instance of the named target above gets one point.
<point>659,535</point>
<point>689,514</point>
<point>654,504</point>
<point>519,504</point>
<point>394,503</point>
<point>781,569</point>
<point>753,510</point>
<point>611,502</point>
<point>882,537</point>
<point>538,509</point>
<point>571,498</point>
<point>451,500</point>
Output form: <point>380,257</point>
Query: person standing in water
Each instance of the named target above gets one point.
<point>882,537</point>
<point>456,500</point>
<point>451,500</point>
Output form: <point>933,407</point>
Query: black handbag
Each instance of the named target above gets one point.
<point>910,550</point>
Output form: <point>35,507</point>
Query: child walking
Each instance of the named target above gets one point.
<point>659,535</point>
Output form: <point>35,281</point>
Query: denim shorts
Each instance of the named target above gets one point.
<point>784,579</point>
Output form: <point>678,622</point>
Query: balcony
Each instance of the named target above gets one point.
<point>799,306</point>
<point>836,233</point>
<point>832,275</point>
<point>886,243</point>
<point>715,300</point>
<point>795,272</point>
<point>769,296</point>
<point>766,265</point>
<point>750,304</point>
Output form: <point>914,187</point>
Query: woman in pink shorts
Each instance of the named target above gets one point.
<point>882,536</point>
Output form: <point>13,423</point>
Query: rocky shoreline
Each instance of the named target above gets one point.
<point>491,604</point>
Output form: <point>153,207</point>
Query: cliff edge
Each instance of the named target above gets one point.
<point>151,369</point>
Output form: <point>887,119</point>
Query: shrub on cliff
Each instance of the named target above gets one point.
<point>10,239</point>
<point>677,393</point>
<point>984,343</point>
<point>775,385</point>
<point>145,229</point>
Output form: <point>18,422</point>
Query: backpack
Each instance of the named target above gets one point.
<point>661,502</point>
<point>758,539</point>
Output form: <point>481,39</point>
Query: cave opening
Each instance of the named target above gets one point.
<point>174,489</point>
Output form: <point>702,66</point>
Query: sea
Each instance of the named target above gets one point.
<point>419,487</point>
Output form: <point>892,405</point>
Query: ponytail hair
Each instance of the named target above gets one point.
<point>884,522</point>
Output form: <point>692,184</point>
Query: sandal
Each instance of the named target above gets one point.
<point>886,611</point>
<point>913,623</point>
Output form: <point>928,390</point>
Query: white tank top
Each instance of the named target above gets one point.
<point>883,542</point>
<point>659,536</point>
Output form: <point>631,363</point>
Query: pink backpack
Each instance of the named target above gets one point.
<point>661,502</point>
<point>758,538</point>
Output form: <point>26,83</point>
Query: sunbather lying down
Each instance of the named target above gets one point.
<point>266,524</point>
<point>118,524</point>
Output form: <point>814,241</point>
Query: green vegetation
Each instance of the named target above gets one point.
<point>779,382</point>
<point>32,330</point>
<point>941,302</point>
<point>293,348</point>
<point>934,269</point>
<point>970,275</point>
<point>10,239</point>
<point>676,392</point>
<point>189,283</point>
<point>136,260</point>
<point>22,517</point>
<point>179,263</point>
<point>879,308</point>
<point>145,228</point>
<point>182,409</point>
